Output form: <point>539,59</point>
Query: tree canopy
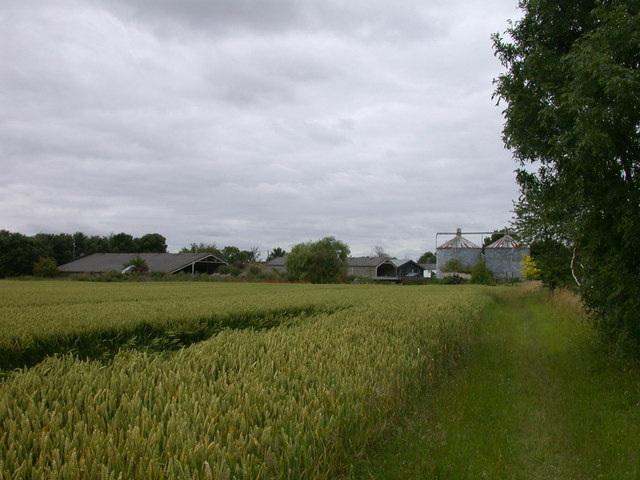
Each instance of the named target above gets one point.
<point>427,257</point>
<point>572,108</point>
<point>323,261</point>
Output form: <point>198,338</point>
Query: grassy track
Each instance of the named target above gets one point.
<point>539,399</point>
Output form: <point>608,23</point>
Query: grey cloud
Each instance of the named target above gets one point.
<point>269,125</point>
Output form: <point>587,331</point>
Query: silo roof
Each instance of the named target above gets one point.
<point>458,242</point>
<point>505,242</point>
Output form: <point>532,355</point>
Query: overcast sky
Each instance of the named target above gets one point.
<point>253,123</point>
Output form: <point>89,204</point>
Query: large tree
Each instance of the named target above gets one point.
<point>324,261</point>
<point>572,107</point>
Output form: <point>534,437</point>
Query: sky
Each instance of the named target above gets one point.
<point>254,123</point>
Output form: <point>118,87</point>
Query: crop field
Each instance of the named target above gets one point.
<point>215,380</point>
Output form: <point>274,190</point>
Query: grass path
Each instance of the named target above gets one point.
<point>538,399</point>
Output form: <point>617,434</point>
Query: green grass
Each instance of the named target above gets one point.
<point>540,398</point>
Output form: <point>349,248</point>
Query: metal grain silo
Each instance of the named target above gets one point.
<point>458,248</point>
<point>504,258</point>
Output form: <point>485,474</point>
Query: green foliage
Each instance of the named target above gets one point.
<point>45,267</point>
<point>481,274</point>
<point>455,265</point>
<point>572,94</point>
<point>18,254</point>
<point>139,265</point>
<point>427,257</point>
<point>231,254</point>
<point>554,262</point>
<point>454,279</point>
<point>202,248</point>
<point>150,243</point>
<point>323,261</point>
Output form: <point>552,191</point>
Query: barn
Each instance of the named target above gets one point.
<point>157,262</point>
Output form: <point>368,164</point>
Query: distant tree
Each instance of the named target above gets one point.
<point>45,267</point>
<point>98,244</point>
<point>379,251</point>
<point>18,254</point>
<point>121,243</point>
<point>323,261</point>
<point>80,245</point>
<point>427,257</point>
<point>276,253</point>
<point>57,246</point>
<point>255,255</point>
<point>150,243</point>
<point>202,248</point>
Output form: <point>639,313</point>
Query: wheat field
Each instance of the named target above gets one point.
<point>283,381</point>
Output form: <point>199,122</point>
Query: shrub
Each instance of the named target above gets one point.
<point>481,274</point>
<point>45,267</point>
<point>139,265</point>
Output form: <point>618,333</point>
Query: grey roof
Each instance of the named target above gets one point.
<point>366,261</point>
<point>277,262</point>
<point>157,262</point>
<point>398,262</point>
<point>505,242</point>
<point>428,266</point>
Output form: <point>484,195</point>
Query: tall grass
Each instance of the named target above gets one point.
<point>298,401</point>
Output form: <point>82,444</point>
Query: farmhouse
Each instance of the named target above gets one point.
<point>157,262</point>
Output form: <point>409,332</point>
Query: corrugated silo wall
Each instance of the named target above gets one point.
<point>467,256</point>
<point>505,263</point>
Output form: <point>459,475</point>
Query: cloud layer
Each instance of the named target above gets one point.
<point>253,123</point>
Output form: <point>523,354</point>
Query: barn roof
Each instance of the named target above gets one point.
<point>277,262</point>
<point>398,262</point>
<point>157,262</point>
<point>366,261</point>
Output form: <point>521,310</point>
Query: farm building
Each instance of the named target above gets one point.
<point>377,268</point>
<point>460,249</point>
<point>504,258</point>
<point>372,267</point>
<point>157,262</point>
<point>408,269</point>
